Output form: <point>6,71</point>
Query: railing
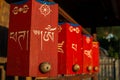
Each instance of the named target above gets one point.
<point>109,69</point>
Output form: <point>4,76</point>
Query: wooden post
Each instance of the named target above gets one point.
<point>3,72</point>
<point>4,13</point>
<point>16,77</point>
<point>117,69</point>
<point>2,61</point>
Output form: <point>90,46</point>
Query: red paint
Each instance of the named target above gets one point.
<point>95,50</point>
<point>69,48</point>
<point>87,53</point>
<point>32,39</point>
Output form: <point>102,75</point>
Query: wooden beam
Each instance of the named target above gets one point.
<point>3,60</point>
<point>72,77</point>
<point>2,73</point>
<point>68,17</point>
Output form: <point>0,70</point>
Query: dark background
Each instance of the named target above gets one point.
<point>90,13</point>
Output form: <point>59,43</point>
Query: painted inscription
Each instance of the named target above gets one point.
<point>20,36</point>
<point>45,9</point>
<point>60,47</point>
<point>46,35</point>
<point>23,9</point>
<point>74,29</point>
<point>74,47</point>
<point>88,53</point>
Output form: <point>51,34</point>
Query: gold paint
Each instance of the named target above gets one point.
<point>23,9</point>
<point>60,45</point>
<point>71,29</point>
<point>74,47</point>
<point>59,28</point>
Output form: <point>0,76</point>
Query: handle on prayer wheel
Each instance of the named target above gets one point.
<point>96,68</point>
<point>45,67</point>
<point>89,68</point>
<point>76,68</point>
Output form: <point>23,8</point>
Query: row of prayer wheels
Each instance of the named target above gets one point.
<point>39,46</point>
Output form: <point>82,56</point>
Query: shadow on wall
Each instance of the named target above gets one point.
<point>3,41</point>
